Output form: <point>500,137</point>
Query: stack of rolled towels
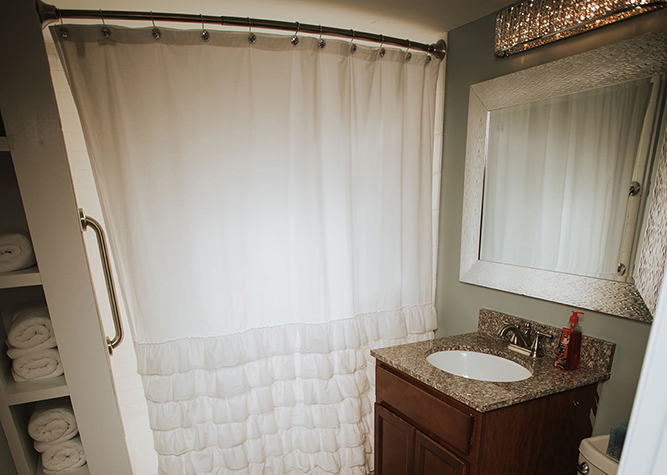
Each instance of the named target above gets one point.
<point>53,428</point>
<point>15,251</point>
<point>32,345</point>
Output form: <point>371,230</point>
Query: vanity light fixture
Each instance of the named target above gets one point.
<point>531,23</point>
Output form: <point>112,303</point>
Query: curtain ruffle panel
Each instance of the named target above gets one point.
<point>269,210</point>
<point>291,399</point>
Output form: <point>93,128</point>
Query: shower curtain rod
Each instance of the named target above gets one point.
<point>51,13</point>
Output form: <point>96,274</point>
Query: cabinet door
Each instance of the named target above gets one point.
<point>433,459</point>
<point>394,444</point>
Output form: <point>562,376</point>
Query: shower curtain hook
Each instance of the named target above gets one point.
<point>64,32</point>
<point>321,43</point>
<point>204,34</point>
<point>295,39</point>
<point>383,51</point>
<point>155,32</point>
<point>408,54</point>
<point>353,47</point>
<point>106,32</point>
<point>251,36</point>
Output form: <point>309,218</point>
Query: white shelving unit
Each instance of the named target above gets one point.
<point>36,196</point>
<point>20,278</point>
<point>17,399</point>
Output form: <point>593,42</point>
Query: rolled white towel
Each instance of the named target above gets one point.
<point>31,328</point>
<point>44,446</point>
<point>63,457</point>
<point>52,422</point>
<point>34,365</point>
<point>15,251</point>
<point>14,353</point>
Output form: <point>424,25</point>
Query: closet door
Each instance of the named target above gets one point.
<point>39,159</point>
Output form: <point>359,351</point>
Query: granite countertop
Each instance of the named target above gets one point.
<point>485,396</point>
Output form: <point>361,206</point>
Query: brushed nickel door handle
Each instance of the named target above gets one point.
<point>86,221</point>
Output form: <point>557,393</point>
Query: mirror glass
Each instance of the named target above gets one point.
<point>565,142</point>
<point>558,177</point>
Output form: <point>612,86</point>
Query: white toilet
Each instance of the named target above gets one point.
<point>593,459</point>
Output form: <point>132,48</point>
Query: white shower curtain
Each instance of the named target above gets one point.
<point>557,179</point>
<point>269,209</point>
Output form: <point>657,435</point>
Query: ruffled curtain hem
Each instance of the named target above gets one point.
<point>292,399</point>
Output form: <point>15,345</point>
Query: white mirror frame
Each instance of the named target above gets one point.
<point>636,58</point>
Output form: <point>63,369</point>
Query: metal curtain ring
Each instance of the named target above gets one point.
<point>205,35</point>
<point>295,38</point>
<point>321,43</point>
<point>155,32</point>
<point>251,36</point>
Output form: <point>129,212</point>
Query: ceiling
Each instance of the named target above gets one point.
<point>418,20</point>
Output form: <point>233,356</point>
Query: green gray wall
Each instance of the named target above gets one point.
<point>470,60</point>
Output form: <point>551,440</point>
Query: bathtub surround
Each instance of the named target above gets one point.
<point>269,208</point>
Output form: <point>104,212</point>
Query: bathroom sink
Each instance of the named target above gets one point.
<point>473,365</point>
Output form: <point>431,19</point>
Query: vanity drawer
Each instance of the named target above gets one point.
<point>426,411</point>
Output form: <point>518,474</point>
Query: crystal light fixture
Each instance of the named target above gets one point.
<point>532,23</point>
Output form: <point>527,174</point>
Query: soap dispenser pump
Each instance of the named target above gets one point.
<point>569,348</point>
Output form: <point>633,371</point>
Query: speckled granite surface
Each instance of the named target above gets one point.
<point>485,396</point>
<point>596,354</point>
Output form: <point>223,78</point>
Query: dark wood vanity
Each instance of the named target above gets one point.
<point>421,431</point>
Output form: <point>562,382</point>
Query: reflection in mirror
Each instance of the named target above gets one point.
<point>558,176</point>
<point>615,90</point>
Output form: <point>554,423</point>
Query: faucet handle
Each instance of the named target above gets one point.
<point>527,327</point>
<point>545,335</point>
<point>534,348</point>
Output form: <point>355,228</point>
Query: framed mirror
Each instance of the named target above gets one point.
<point>513,210</point>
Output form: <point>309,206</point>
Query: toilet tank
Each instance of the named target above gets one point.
<point>592,455</point>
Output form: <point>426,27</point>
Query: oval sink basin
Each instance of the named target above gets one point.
<point>481,366</point>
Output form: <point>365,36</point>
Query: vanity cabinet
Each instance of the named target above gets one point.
<point>402,449</point>
<point>420,431</point>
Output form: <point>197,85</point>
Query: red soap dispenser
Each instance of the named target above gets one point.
<point>569,348</point>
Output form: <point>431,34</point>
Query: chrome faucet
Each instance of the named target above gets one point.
<point>525,341</point>
<point>518,336</point>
